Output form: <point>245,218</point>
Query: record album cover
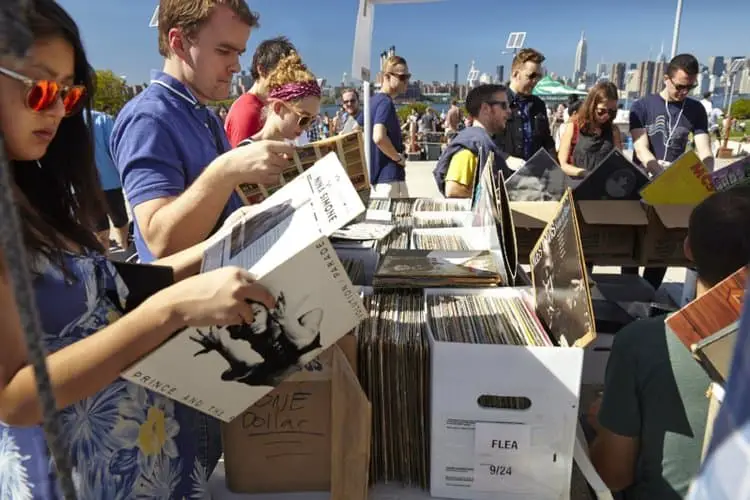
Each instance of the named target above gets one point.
<point>559,278</point>
<point>222,371</point>
<point>348,148</point>
<point>709,313</point>
<point>614,178</point>
<point>539,179</point>
<point>734,174</point>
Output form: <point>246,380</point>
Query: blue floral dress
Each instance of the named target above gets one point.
<point>125,441</point>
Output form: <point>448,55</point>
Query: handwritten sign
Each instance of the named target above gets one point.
<point>501,454</point>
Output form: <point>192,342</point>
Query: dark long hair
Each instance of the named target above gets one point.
<point>62,199</point>
<point>601,92</point>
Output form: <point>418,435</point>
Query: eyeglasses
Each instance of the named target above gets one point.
<point>502,104</point>
<point>679,87</point>
<point>404,77</point>
<point>534,76</point>
<point>303,119</point>
<point>43,94</point>
<point>606,111</point>
<point>349,101</point>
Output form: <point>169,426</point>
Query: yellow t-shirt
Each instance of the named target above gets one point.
<point>462,168</point>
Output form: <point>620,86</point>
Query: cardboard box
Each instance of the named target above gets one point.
<point>311,433</point>
<point>465,377</point>
<point>530,218</point>
<point>662,244</point>
<point>610,230</point>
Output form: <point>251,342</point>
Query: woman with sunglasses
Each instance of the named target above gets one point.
<point>124,441</point>
<point>293,101</point>
<point>596,136</point>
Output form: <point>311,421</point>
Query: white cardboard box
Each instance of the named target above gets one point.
<point>543,434</point>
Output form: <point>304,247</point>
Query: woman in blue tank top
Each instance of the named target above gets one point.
<point>124,441</point>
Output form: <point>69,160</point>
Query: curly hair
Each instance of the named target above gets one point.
<point>290,69</point>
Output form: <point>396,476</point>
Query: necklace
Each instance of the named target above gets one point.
<point>670,128</point>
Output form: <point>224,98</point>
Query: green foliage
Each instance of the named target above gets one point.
<point>741,109</point>
<point>111,92</point>
<point>405,110</point>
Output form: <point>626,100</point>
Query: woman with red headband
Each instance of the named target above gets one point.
<point>293,101</point>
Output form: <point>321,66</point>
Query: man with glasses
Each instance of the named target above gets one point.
<point>387,160</point>
<point>461,163</point>
<point>661,125</point>
<point>528,127</point>
<point>353,117</point>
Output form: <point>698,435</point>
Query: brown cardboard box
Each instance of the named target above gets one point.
<point>311,433</point>
<point>529,219</point>
<point>663,241</point>
<point>610,230</point>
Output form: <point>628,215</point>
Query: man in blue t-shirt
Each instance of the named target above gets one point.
<point>387,160</point>
<point>661,125</point>
<point>177,169</point>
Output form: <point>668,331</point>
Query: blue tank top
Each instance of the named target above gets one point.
<point>125,441</point>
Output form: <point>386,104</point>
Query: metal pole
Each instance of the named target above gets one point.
<point>676,34</point>
<point>728,113</point>
<point>368,122</point>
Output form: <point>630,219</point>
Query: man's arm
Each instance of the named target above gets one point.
<point>380,133</point>
<point>614,452</point>
<point>171,216</point>
<point>640,139</point>
<point>702,139</point>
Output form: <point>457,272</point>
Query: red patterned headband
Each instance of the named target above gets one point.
<point>295,90</point>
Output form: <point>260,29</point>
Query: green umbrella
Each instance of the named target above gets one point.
<point>549,87</point>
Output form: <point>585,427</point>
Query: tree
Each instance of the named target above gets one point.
<point>111,93</point>
<point>741,109</point>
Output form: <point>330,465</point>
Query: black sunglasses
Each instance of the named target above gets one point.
<point>681,87</point>
<point>349,101</point>
<point>502,104</point>
<point>402,76</point>
<point>608,111</point>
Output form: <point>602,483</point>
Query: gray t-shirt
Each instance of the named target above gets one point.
<point>655,391</point>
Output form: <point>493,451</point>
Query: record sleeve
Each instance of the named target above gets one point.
<point>539,179</point>
<point>614,178</point>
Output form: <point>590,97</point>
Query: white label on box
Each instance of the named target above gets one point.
<point>501,457</point>
<point>378,215</point>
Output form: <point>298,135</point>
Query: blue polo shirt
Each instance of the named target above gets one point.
<point>382,168</point>
<point>162,141</point>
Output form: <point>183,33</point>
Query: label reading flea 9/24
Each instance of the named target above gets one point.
<point>500,453</point>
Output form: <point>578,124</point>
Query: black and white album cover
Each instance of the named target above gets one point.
<point>615,178</point>
<point>558,274</point>
<point>224,370</point>
<point>539,179</point>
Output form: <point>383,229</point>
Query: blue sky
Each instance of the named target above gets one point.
<point>434,36</point>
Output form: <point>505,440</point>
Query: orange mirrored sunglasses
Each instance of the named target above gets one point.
<point>42,94</point>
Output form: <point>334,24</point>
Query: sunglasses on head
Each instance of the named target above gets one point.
<point>402,76</point>
<point>43,94</point>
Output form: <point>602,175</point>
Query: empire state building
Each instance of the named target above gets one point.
<point>581,54</point>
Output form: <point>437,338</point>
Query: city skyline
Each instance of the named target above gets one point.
<point>426,34</point>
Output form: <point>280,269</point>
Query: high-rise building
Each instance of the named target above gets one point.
<point>646,74</point>
<point>601,69</point>
<point>455,78</point>
<point>500,73</point>
<point>660,69</point>
<point>716,65</point>
<point>617,75</point>
<point>633,66</point>
<point>662,56</point>
<point>581,55</point>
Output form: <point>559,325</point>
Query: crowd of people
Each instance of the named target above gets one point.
<point>177,164</point>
